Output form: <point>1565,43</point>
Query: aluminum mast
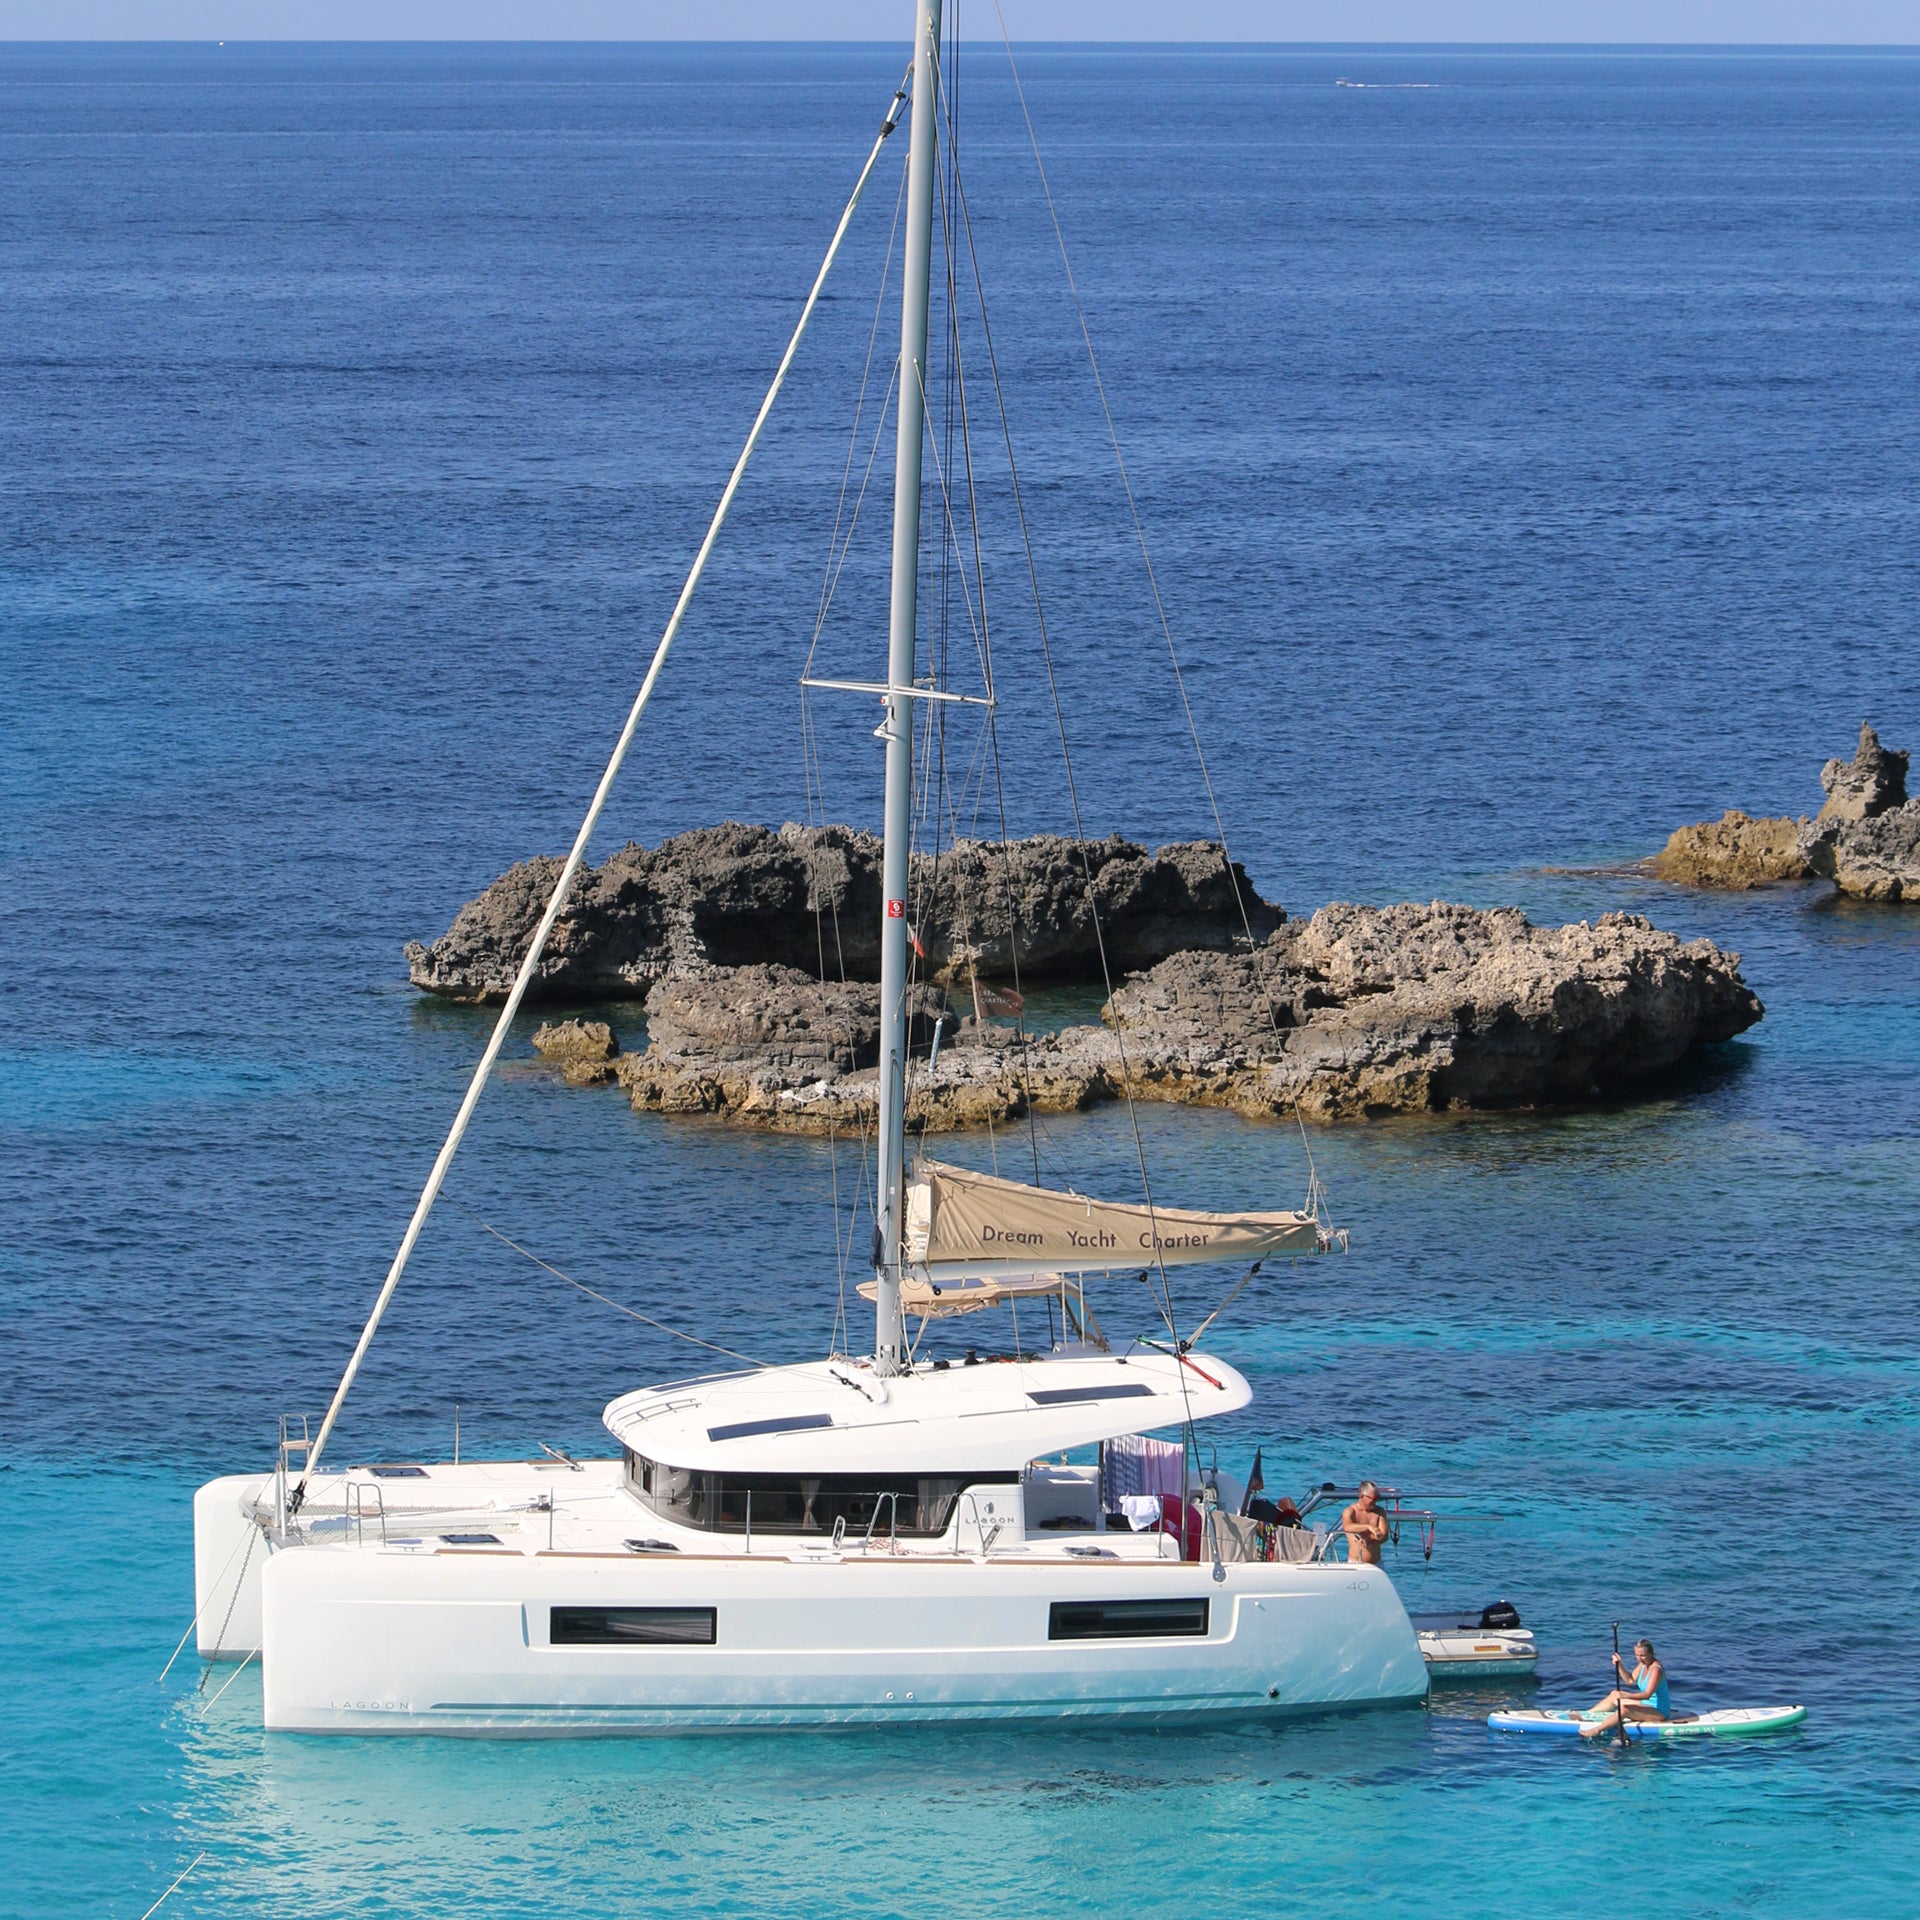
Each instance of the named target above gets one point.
<point>889,1338</point>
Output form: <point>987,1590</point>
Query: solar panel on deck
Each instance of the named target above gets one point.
<point>1066,1396</point>
<point>788,1423</point>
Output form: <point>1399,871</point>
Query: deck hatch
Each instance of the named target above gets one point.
<point>787,1423</point>
<point>632,1626</point>
<point>1127,1620</point>
<point>1066,1396</point>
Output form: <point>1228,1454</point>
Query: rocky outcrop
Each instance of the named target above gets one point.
<point>809,898</point>
<point>1873,782</point>
<point>584,1050</point>
<point>1866,838</point>
<point>1876,859</point>
<point>1734,852</point>
<point>1360,1011</point>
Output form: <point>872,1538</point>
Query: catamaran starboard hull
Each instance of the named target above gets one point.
<point>466,1643</point>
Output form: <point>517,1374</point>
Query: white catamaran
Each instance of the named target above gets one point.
<point>842,1542</point>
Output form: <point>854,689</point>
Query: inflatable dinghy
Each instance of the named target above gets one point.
<point>1725,1723</point>
<point>1476,1643</point>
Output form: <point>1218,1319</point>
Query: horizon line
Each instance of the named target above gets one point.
<point>760,40</point>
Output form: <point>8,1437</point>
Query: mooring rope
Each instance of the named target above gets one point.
<point>233,1600</point>
<point>179,1881</point>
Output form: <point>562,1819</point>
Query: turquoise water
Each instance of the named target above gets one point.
<point>1529,465</point>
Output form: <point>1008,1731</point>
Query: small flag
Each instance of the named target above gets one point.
<point>913,940</point>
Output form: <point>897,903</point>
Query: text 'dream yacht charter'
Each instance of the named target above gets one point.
<point>841,1542</point>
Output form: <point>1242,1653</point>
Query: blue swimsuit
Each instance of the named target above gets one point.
<point>1657,1699</point>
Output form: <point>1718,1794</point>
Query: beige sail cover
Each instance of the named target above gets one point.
<point>949,1295</point>
<point>964,1222</point>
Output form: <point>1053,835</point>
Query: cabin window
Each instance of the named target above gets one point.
<point>1127,1620</point>
<point>632,1626</point>
<point>907,1504</point>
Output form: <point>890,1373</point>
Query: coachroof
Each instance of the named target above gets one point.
<point>836,1416</point>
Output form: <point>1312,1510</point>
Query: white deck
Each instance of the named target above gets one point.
<point>838,1417</point>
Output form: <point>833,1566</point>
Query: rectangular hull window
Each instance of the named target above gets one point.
<point>1127,1620</point>
<point>631,1626</point>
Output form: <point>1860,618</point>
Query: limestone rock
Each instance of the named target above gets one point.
<point>1360,1011</point>
<point>809,898</point>
<point>1366,1010</point>
<point>584,1050</point>
<point>728,1040</point>
<point>1873,782</point>
<point>1876,859</point>
<point>1866,839</point>
<point>1734,852</point>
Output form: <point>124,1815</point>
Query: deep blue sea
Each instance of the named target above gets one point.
<point>1527,445</point>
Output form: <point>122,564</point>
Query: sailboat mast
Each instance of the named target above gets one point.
<point>889,1339</point>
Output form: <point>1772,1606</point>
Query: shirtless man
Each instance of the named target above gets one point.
<point>1365,1526</point>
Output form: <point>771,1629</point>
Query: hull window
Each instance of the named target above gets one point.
<point>1127,1620</point>
<point>631,1626</point>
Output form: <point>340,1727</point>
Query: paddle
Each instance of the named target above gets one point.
<point>1619,1704</point>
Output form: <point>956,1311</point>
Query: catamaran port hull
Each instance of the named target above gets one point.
<point>474,1643</point>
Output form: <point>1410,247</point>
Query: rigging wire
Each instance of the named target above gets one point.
<point>576,857</point>
<point>853,435</point>
<point>1066,754</point>
<point>632,1313</point>
<point>837,551</point>
<point>953,559</point>
<point>1261,975</point>
<point>954,200</point>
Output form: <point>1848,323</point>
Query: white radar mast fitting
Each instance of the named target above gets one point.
<point>889,1334</point>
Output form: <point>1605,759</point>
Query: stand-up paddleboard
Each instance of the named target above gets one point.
<point>1725,1723</point>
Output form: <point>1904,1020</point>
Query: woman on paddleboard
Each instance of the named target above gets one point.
<point>1641,1695</point>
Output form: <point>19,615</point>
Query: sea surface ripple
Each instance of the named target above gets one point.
<point>1528,459</point>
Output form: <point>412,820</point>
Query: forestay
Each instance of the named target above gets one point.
<point>962,1225</point>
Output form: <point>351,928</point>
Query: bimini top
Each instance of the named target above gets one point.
<point>837,1416</point>
<point>964,1224</point>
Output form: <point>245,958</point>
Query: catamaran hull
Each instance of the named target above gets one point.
<point>378,1642</point>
